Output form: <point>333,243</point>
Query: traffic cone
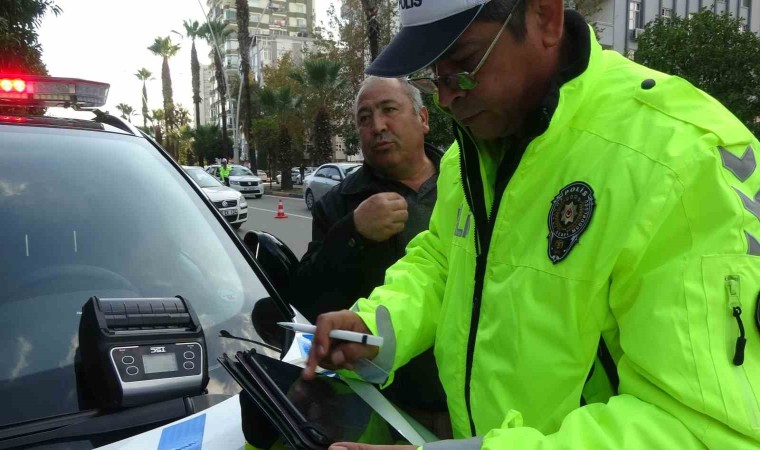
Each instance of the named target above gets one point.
<point>280,211</point>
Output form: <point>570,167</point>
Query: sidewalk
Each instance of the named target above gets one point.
<point>296,192</point>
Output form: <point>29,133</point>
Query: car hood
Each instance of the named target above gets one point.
<point>221,193</point>
<point>244,178</point>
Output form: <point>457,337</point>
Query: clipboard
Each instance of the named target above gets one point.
<point>307,415</point>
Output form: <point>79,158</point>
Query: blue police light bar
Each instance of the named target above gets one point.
<point>34,90</point>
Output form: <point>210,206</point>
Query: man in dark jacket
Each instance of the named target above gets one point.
<point>362,226</point>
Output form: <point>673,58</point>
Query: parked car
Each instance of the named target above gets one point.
<point>263,175</point>
<point>241,179</point>
<point>325,178</point>
<point>295,177</point>
<point>228,201</point>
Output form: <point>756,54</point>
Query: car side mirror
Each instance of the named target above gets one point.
<point>278,263</point>
<point>274,257</point>
<point>335,177</point>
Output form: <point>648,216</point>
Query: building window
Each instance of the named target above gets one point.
<point>743,28</point>
<point>666,12</point>
<point>229,14</point>
<point>258,3</point>
<point>634,15</point>
<point>745,3</point>
<point>297,8</point>
<point>298,22</point>
<point>255,18</point>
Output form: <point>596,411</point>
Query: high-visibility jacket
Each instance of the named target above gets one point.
<point>224,173</point>
<point>632,216</point>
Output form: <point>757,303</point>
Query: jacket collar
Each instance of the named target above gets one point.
<point>581,55</point>
<point>366,178</point>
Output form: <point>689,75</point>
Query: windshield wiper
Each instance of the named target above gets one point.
<point>92,423</point>
<point>226,334</point>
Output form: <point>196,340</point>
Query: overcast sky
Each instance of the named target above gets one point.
<point>108,40</point>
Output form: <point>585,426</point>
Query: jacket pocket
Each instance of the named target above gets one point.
<point>731,285</point>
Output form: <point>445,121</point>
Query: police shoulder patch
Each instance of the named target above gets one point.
<point>569,217</point>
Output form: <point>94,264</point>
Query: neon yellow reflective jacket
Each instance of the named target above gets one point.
<point>651,185</point>
<point>224,172</point>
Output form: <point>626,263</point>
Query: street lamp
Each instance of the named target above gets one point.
<point>271,7</point>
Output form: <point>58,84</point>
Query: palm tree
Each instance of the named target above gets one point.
<point>157,116</point>
<point>144,75</point>
<point>192,30</point>
<point>163,47</point>
<point>321,78</point>
<point>126,111</point>
<point>282,104</point>
<point>215,32</point>
<point>244,40</point>
<point>373,27</point>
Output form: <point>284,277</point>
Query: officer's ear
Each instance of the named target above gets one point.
<point>424,117</point>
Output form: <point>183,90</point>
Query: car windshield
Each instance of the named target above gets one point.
<point>203,179</point>
<point>239,171</point>
<point>87,214</point>
<point>352,168</point>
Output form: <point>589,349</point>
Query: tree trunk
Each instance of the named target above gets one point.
<point>145,105</point>
<point>195,67</point>
<point>285,151</point>
<point>166,81</point>
<point>244,39</point>
<point>322,152</point>
<point>373,27</point>
<point>222,89</point>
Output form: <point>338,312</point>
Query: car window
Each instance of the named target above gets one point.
<point>322,172</point>
<point>203,179</point>
<point>332,171</point>
<point>128,226</point>
<point>239,171</point>
<point>351,169</point>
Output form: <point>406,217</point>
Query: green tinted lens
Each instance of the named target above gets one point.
<point>466,82</point>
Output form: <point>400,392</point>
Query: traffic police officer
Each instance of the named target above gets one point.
<point>590,206</point>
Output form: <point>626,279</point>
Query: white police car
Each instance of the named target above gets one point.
<point>94,207</point>
<point>242,179</point>
<point>228,201</point>
<point>94,212</point>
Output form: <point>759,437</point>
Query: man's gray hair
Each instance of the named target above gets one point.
<point>412,92</point>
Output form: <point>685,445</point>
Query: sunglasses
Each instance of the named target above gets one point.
<point>462,81</point>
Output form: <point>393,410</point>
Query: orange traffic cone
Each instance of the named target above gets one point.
<point>280,211</point>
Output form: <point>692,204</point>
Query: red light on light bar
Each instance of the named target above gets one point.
<point>8,85</point>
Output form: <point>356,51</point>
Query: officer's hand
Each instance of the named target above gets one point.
<point>381,216</point>
<point>337,354</point>
<point>354,446</point>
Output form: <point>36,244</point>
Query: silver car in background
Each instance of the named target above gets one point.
<point>325,178</point>
<point>229,202</point>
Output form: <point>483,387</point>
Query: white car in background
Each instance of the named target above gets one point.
<point>242,179</point>
<point>325,178</point>
<point>229,202</point>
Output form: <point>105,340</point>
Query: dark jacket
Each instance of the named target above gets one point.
<point>340,266</point>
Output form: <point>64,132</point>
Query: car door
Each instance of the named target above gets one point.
<point>319,184</point>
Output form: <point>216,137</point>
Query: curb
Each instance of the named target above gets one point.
<point>282,194</point>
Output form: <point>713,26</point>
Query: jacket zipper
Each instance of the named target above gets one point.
<point>481,247</point>
<point>734,303</point>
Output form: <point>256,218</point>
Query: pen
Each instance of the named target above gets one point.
<point>343,335</point>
